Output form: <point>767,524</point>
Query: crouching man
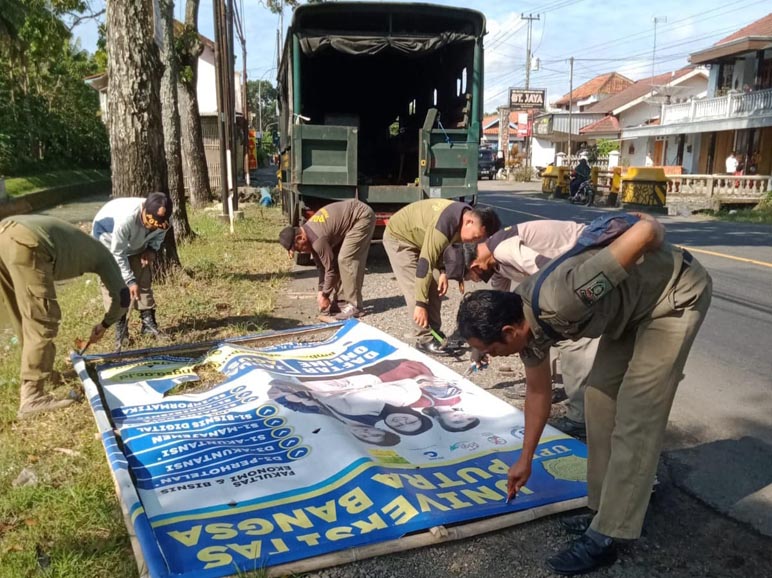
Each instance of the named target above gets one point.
<point>338,237</point>
<point>133,229</point>
<point>646,300</point>
<point>35,252</point>
<point>415,241</point>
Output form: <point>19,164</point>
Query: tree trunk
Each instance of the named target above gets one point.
<point>192,139</point>
<point>134,109</point>
<point>171,124</point>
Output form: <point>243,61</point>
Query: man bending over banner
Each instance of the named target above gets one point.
<point>338,236</point>
<point>35,252</point>
<point>646,300</point>
<point>512,255</point>
<point>133,229</point>
<point>415,239</point>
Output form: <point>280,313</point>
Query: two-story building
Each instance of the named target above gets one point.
<point>641,105</point>
<point>551,129</point>
<point>736,115</point>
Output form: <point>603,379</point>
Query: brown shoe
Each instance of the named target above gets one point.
<point>34,401</point>
<point>47,403</point>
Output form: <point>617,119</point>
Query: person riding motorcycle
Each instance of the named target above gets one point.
<point>580,175</point>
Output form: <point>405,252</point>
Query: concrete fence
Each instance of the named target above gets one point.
<point>698,192</point>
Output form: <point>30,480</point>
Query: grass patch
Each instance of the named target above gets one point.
<point>16,186</point>
<point>70,524</point>
<point>762,214</point>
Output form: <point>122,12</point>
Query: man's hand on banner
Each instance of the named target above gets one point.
<point>518,476</point>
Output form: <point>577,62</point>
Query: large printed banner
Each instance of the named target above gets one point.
<point>301,450</point>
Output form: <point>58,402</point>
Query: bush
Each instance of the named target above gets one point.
<point>522,174</point>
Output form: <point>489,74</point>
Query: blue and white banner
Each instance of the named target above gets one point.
<point>299,450</point>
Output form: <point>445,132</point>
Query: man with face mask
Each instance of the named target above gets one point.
<point>512,255</point>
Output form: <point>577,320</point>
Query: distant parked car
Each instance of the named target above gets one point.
<point>486,164</point>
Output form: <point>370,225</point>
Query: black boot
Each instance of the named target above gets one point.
<point>149,325</point>
<point>121,332</point>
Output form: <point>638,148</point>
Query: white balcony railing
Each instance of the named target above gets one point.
<point>729,106</point>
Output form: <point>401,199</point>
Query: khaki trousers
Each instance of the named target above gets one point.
<point>27,288</point>
<point>352,258</point>
<point>628,401</point>
<point>576,361</point>
<point>403,259</point>
<point>144,277</point>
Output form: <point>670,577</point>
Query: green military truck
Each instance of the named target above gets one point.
<point>380,102</point>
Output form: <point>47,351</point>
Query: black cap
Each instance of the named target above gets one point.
<point>158,206</point>
<point>287,238</point>
<point>457,258</point>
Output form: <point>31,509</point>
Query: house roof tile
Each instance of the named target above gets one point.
<point>609,83</point>
<point>492,122</point>
<point>636,90</point>
<point>607,124</point>
<point>761,27</point>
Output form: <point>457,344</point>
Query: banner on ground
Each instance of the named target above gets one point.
<point>298,450</point>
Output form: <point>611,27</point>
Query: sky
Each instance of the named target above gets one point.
<point>602,37</point>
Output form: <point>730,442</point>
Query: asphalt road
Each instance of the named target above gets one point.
<point>720,434</point>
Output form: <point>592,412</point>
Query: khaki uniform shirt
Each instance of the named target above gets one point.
<point>590,294</point>
<point>74,253</point>
<point>430,225</point>
<point>521,250</point>
<point>326,230</point>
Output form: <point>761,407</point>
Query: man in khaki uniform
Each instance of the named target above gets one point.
<point>36,251</point>
<point>511,256</point>
<point>646,300</point>
<point>415,240</point>
<point>338,236</point>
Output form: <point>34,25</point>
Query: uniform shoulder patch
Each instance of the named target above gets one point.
<point>592,291</point>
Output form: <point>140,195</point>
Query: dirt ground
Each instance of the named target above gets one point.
<point>682,536</point>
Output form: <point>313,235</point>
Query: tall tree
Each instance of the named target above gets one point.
<point>134,108</point>
<point>171,123</point>
<point>262,96</point>
<point>190,48</point>
<point>48,116</point>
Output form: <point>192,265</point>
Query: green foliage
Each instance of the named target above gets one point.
<point>268,95</point>
<point>600,150</point>
<point>48,116</point>
<point>22,185</point>
<point>605,146</point>
<point>188,47</point>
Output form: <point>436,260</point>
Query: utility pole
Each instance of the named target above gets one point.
<point>570,104</point>
<point>529,35</point>
<point>278,50</point>
<point>221,100</point>
<point>655,20</point>
<point>231,100</point>
<point>239,21</point>
<point>530,19</point>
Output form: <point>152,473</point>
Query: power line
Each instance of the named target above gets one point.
<point>722,9</point>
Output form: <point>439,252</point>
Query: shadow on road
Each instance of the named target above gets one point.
<point>733,475</point>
